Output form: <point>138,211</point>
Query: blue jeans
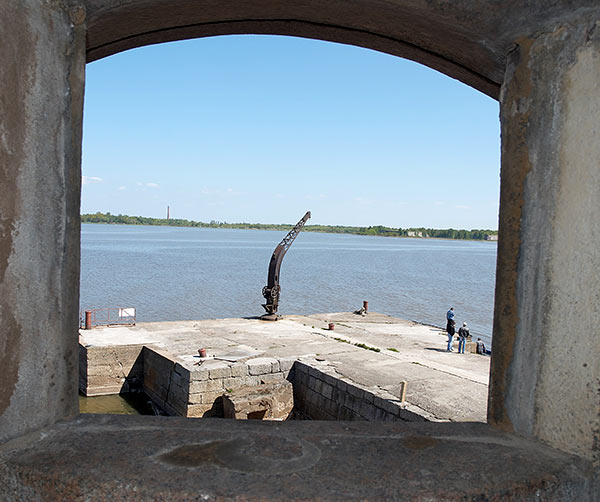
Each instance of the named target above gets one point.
<point>450,338</point>
<point>461,344</point>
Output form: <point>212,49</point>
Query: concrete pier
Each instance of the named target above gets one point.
<point>375,367</point>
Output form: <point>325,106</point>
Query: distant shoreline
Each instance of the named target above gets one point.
<point>417,233</point>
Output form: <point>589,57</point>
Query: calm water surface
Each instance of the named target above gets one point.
<point>170,273</point>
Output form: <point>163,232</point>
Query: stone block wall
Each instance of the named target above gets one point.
<point>321,395</point>
<point>199,392</point>
<point>110,370</point>
<point>272,401</point>
<point>212,379</point>
<point>160,381</point>
<point>318,392</point>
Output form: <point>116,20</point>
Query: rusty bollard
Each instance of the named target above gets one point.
<point>331,326</point>
<point>366,305</point>
<point>202,352</point>
<point>88,319</point>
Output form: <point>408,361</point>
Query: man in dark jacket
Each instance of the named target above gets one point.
<point>463,334</point>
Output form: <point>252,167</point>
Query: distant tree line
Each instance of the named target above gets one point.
<point>449,233</point>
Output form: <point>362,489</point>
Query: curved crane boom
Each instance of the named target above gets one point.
<point>272,290</point>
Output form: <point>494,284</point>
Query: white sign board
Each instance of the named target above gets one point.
<point>130,312</point>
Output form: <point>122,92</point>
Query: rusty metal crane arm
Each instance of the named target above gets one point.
<point>272,290</point>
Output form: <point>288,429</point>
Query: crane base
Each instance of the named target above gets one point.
<point>270,317</point>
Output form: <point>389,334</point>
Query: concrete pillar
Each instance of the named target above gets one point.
<point>42,63</point>
<point>545,380</point>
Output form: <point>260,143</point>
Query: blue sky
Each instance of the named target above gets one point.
<point>263,128</point>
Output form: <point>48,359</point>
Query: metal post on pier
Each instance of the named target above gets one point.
<point>88,319</point>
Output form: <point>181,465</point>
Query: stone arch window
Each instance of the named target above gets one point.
<point>541,60</point>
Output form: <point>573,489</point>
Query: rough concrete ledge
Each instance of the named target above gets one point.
<point>132,458</point>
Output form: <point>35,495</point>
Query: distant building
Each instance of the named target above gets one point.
<point>489,237</point>
<point>412,233</point>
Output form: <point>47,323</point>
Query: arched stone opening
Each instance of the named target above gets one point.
<point>545,55</point>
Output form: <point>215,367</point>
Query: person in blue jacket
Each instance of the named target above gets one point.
<point>450,327</point>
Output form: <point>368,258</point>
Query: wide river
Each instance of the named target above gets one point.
<point>170,273</point>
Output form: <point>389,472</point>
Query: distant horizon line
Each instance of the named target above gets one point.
<point>381,230</point>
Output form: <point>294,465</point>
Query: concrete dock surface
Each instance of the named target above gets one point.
<point>440,385</point>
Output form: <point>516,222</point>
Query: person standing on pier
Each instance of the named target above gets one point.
<point>450,327</point>
<point>463,334</point>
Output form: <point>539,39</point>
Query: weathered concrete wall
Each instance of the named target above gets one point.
<point>464,39</point>
<point>42,57</point>
<point>156,459</point>
<point>546,349</point>
<point>545,376</point>
<point>110,370</point>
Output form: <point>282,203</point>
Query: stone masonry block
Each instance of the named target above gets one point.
<point>301,367</point>
<point>218,370</point>
<point>389,417</point>
<point>180,370</point>
<point>272,378</point>
<point>286,363</point>
<point>343,386</point>
<point>300,392</point>
<point>177,379</point>
<point>387,405</point>
<point>357,417</point>
<point>379,414</point>
<point>301,378</point>
<point>175,407</point>
<point>328,409</point>
<point>314,372</point>
<point>99,370</point>
<point>329,379</point>
<point>274,401</point>
<point>199,374</point>
<point>198,410</point>
<point>338,396</point>
<point>260,365</point>
<point>331,407</point>
<point>204,398</point>
<point>239,370</point>
<point>327,390</point>
<point>343,413</point>
<point>232,383</point>
<point>177,392</point>
<point>369,397</point>
<point>318,385</point>
<point>206,386</point>
<point>356,405</point>
<point>312,397</point>
<point>160,360</point>
<point>355,391</point>
<point>350,400</point>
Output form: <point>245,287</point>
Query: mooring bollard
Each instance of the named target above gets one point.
<point>366,305</point>
<point>88,319</point>
<point>202,352</point>
<point>331,326</point>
